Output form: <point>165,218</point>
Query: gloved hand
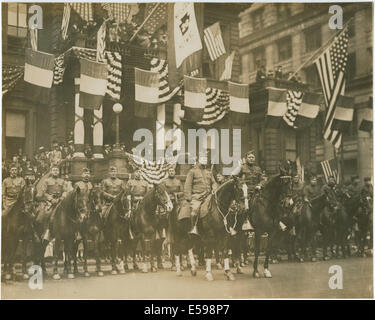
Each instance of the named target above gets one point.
<point>258,188</point>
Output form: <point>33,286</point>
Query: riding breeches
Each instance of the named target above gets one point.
<point>194,206</point>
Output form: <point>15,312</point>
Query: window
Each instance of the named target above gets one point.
<point>311,76</point>
<point>313,38</point>
<point>258,58</point>
<point>351,66</point>
<point>245,64</point>
<point>283,11</point>
<point>257,18</point>
<point>284,47</point>
<point>290,145</point>
<point>15,132</point>
<point>17,20</point>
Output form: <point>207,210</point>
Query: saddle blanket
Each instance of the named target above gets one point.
<point>185,210</point>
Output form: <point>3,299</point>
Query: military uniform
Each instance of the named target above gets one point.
<point>85,188</point>
<point>55,157</point>
<point>137,190</point>
<point>354,190</point>
<point>311,191</point>
<point>11,190</point>
<point>329,192</point>
<point>252,175</point>
<point>111,188</point>
<point>199,183</point>
<point>173,186</point>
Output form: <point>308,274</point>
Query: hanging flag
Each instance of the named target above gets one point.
<point>84,10</point>
<point>217,106</point>
<point>185,21</point>
<point>276,107</point>
<point>114,62</point>
<point>343,114</point>
<point>161,67</point>
<point>39,68</point>
<point>65,20</point>
<point>59,69</point>
<point>293,103</point>
<point>239,102</point>
<point>214,41</point>
<point>34,38</point>
<point>100,42</point>
<point>158,18</point>
<point>146,93</point>
<point>11,74</point>
<point>227,73</point>
<point>331,67</point>
<point>330,168</point>
<point>308,110</point>
<point>366,122</point>
<point>93,84</point>
<point>194,98</point>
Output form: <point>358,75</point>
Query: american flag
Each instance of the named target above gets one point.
<point>217,106</point>
<point>331,67</point>
<point>100,43</point>
<point>84,10</point>
<point>293,103</point>
<point>65,20</point>
<point>214,41</point>
<point>227,74</point>
<point>59,69</point>
<point>330,168</point>
<point>157,19</point>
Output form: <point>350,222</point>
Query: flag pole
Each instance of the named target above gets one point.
<point>321,49</point>
<point>144,22</point>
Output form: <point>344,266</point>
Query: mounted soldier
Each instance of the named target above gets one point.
<point>366,194</point>
<point>53,190</point>
<point>198,185</point>
<point>137,188</point>
<point>173,185</point>
<point>252,177</point>
<point>111,187</point>
<point>85,184</point>
<point>354,188</point>
<point>11,189</point>
<point>312,190</point>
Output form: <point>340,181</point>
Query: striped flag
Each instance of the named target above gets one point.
<point>65,20</point>
<point>11,75</point>
<point>214,41</point>
<point>59,69</point>
<point>227,73</point>
<point>146,93</point>
<point>366,122</point>
<point>93,84</point>
<point>34,38</point>
<point>330,168</point>
<point>293,103</point>
<point>100,42</point>
<point>161,67</point>
<point>194,98</point>
<point>39,68</point>
<point>308,110</point>
<point>331,67</point>
<point>343,114</point>
<point>114,62</point>
<point>239,102</point>
<point>276,108</point>
<point>217,105</point>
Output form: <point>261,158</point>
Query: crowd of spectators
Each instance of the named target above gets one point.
<point>278,73</point>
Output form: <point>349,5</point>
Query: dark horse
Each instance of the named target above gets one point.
<point>265,209</point>
<point>18,225</point>
<point>144,225</point>
<point>69,214</point>
<point>214,226</point>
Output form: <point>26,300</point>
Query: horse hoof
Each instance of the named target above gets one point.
<point>87,274</point>
<point>229,276</point>
<point>173,268</point>
<point>145,270</point>
<point>8,276</point>
<point>313,259</point>
<point>239,270</point>
<point>114,272</point>
<point>122,271</point>
<point>25,276</point>
<point>160,266</point>
<point>135,266</point>
<point>178,273</point>
<point>70,276</point>
<point>274,261</point>
<point>193,272</point>
<point>256,275</point>
<point>267,273</point>
<point>56,276</point>
<point>301,260</point>
<point>153,269</point>
<point>219,266</point>
<point>209,276</point>
<point>182,268</point>
<point>100,274</point>
<point>326,258</point>
<point>242,264</point>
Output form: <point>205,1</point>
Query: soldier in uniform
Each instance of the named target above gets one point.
<point>329,190</point>
<point>366,191</point>
<point>198,185</point>
<point>53,190</point>
<point>354,188</point>
<point>111,187</point>
<point>137,188</point>
<point>85,185</point>
<point>55,156</point>
<point>251,175</point>
<point>173,185</point>
<point>11,189</point>
<point>311,190</point>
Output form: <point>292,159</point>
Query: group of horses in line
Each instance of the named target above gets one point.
<point>220,227</point>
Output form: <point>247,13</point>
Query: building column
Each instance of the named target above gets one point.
<point>98,133</point>
<point>364,147</point>
<point>79,127</point>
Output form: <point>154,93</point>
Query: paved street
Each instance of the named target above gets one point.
<point>290,280</point>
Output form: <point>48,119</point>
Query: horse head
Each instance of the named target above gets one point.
<point>162,197</point>
<point>96,199</point>
<point>80,204</point>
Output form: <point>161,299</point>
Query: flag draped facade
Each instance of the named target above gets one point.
<point>216,108</point>
<point>293,102</point>
<point>146,93</point>
<point>331,67</point>
<point>93,84</point>
<point>100,42</point>
<point>227,73</point>
<point>367,122</point>
<point>65,20</point>
<point>330,168</point>
<point>214,41</point>
<point>343,114</point>
<point>239,104</point>
<point>194,98</point>
<point>11,74</point>
<point>276,108</point>
<point>114,61</point>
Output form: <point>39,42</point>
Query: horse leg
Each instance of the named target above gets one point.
<point>146,248</point>
<point>56,251</point>
<point>256,253</point>
<point>97,254</point>
<point>227,272</point>
<point>74,256</point>
<point>193,268</point>
<point>114,245</point>
<point>25,276</point>
<point>269,249</point>
<point>85,249</point>
<point>209,254</point>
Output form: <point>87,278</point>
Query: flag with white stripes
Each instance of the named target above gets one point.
<point>227,73</point>
<point>217,106</point>
<point>65,20</point>
<point>331,67</point>
<point>114,62</point>
<point>59,69</point>
<point>100,42</point>
<point>214,41</point>
<point>293,103</point>
<point>330,168</point>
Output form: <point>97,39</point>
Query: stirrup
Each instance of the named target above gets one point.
<point>194,230</point>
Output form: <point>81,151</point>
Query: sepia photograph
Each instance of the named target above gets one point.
<point>187,151</point>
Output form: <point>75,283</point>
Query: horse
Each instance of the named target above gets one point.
<point>16,226</point>
<point>265,208</point>
<point>70,212</point>
<point>343,224</point>
<point>213,226</point>
<point>144,223</point>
